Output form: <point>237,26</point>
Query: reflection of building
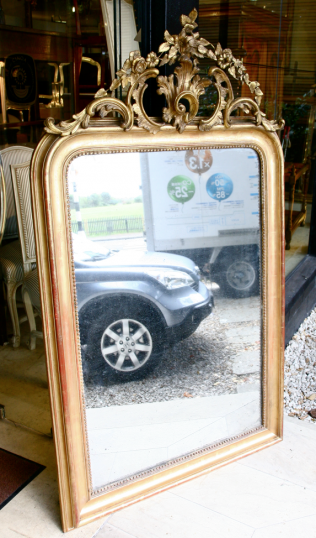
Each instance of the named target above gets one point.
<point>264,52</point>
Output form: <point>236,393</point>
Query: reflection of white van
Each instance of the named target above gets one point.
<point>205,204</point>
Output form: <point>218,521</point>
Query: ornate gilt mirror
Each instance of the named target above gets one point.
<point>164,322</point>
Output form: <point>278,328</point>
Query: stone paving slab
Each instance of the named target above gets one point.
<point>246,310</point>
<point>249,387</point>
<point>247,362</point>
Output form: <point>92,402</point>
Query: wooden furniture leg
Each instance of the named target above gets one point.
<point>11,300</point>
<point>31,318</point>
<point>288,225</point>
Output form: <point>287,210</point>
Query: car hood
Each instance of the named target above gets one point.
<point>135,258</point>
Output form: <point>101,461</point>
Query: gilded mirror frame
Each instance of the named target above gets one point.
<point>85,135</point>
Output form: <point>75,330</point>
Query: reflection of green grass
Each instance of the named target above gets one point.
<point>118,211</point>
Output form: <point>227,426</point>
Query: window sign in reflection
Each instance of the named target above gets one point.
<point>166,249</point>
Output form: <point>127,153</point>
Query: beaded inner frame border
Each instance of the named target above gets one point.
<point>262,227</point>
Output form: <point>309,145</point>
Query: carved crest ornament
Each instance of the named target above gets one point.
<point>185,49</point>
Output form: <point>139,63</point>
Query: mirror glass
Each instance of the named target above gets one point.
<point>167,261</point>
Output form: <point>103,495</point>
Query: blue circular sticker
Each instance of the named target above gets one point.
<point>219,186</point>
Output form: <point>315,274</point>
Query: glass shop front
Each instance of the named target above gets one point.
<point>55,56</point>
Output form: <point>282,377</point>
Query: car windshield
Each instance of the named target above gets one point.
<point>86,250</point>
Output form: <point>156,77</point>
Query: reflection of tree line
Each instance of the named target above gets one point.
<point>102,199</point>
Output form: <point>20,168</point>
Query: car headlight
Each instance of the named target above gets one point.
<point>170,278</point>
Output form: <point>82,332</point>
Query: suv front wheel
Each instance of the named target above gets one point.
<point>128,342</point>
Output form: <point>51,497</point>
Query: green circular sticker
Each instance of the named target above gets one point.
<point>181,189</point>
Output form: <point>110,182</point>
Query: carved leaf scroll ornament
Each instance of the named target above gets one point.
<point>182,95</point>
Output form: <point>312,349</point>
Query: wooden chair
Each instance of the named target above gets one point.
<point>11,261</point>
<point>30,288</point>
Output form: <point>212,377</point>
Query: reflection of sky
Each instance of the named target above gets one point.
<point>118,174</point>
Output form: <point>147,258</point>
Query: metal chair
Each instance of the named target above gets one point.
<point>23,203</point>
<point>11,261</point>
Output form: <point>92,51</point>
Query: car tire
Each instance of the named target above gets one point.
<point>238,273</point>
<point>125,342</point>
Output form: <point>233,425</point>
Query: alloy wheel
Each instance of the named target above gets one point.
<point>126,345</point>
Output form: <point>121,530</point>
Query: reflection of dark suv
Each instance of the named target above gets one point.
<point>132,304</point>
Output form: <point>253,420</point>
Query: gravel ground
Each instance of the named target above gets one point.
<point>202,366</point>
<point>199,366</point>
<point>300,371</point>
